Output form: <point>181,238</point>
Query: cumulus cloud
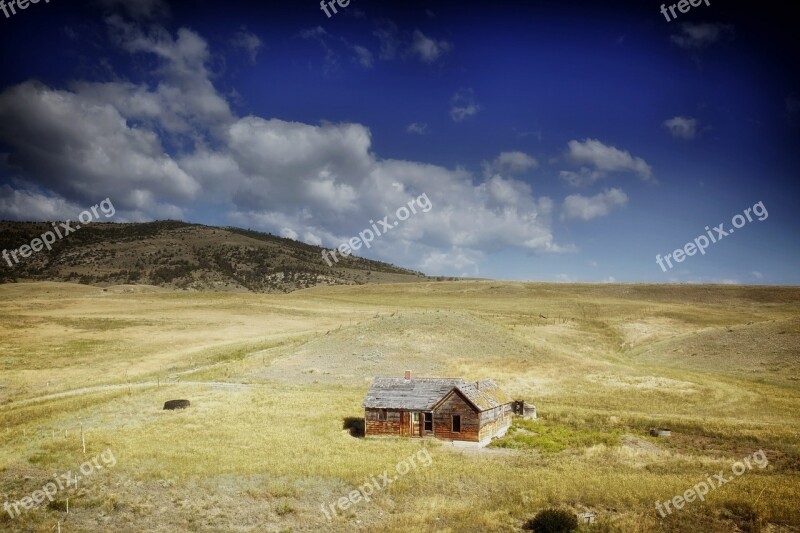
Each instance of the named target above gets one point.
<point>185,91</point>
<point>581,207</point>
<point>418,128</point>
<point>428,50</point>
<point>363,56</point>
<point>321,183</point>
<point>599,159</point>
<point>388,37</point>
<point>510,164</point>
<point>702,280</point>
<point>682,127</point>
<point>29,204</point>
<point>695,37</point>
<point>249,42</point>
<point>78,148</point>
<point>584,176</point>
<point>321,36</point>
<point>443,263</point>
<point>463,105</point>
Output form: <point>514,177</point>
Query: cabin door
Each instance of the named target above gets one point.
<point>416,424</point>
<point>405,424</point>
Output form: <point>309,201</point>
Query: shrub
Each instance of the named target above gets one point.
<point>553,521</point>
<point>745,515</point>
<point>284,508</point>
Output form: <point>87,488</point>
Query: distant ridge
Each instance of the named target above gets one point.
<point>188,256</point>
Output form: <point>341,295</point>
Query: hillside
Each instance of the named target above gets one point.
<point>185,256</point>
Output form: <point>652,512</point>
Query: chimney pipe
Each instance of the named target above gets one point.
<point>408,374</point>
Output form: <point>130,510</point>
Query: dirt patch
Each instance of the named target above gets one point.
<point>632,442</point>
<point>390,344</point>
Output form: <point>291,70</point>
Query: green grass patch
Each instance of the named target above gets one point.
<point>553,437</point>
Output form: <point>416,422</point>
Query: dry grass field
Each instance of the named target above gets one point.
<point>273,377</point>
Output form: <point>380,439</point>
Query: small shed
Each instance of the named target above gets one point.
<point>524,409</point>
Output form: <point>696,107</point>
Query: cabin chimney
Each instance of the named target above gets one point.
<point>408,374</point>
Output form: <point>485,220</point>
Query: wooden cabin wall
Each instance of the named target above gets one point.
<point>442,420</point>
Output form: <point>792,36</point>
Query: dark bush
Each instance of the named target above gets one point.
<point>553,521</point>
<point>745,515</point>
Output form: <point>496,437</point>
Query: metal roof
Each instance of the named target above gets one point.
<point>422,394</point>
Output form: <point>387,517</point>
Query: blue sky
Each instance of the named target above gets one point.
<point>556,141</point>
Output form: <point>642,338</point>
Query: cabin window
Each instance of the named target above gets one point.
<point>428,421</point>
<point>456,423</point>
<point>382,415</point>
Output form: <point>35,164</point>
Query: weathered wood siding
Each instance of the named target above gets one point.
<point>373,426</point>
<point>494,421</point>
<point>455,404</point>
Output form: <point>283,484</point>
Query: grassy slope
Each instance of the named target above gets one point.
<point>272,378</point>
<point>186,256</point>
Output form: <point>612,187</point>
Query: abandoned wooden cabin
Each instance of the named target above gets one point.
<point>445,408</point>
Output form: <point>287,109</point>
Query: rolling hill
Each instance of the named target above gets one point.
<point>186,256</point>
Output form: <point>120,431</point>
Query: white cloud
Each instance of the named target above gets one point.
<point>288,233</point>
<point>581,207</point>
<point>682,127</point>
<point>604,159</point>
<point>428,50</point>
<point>387,35</point>
<point>418,128</point>
<point>249,42</point>
<point>363,56</point>
<point>313,33</point>
<point>758,275</point>
<point>318,182</point>
<point>75,147</point>
<point>319,35</point>
<point>463,105</point>
<point>26,204</point>
<point>444,263</point>
<point>695,37</point>
<point>185,92</point>
<point>704,281</point>
<point>510,164</point>
<point>584,176</point>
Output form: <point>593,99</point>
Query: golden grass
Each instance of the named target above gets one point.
<point>273,378</point>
